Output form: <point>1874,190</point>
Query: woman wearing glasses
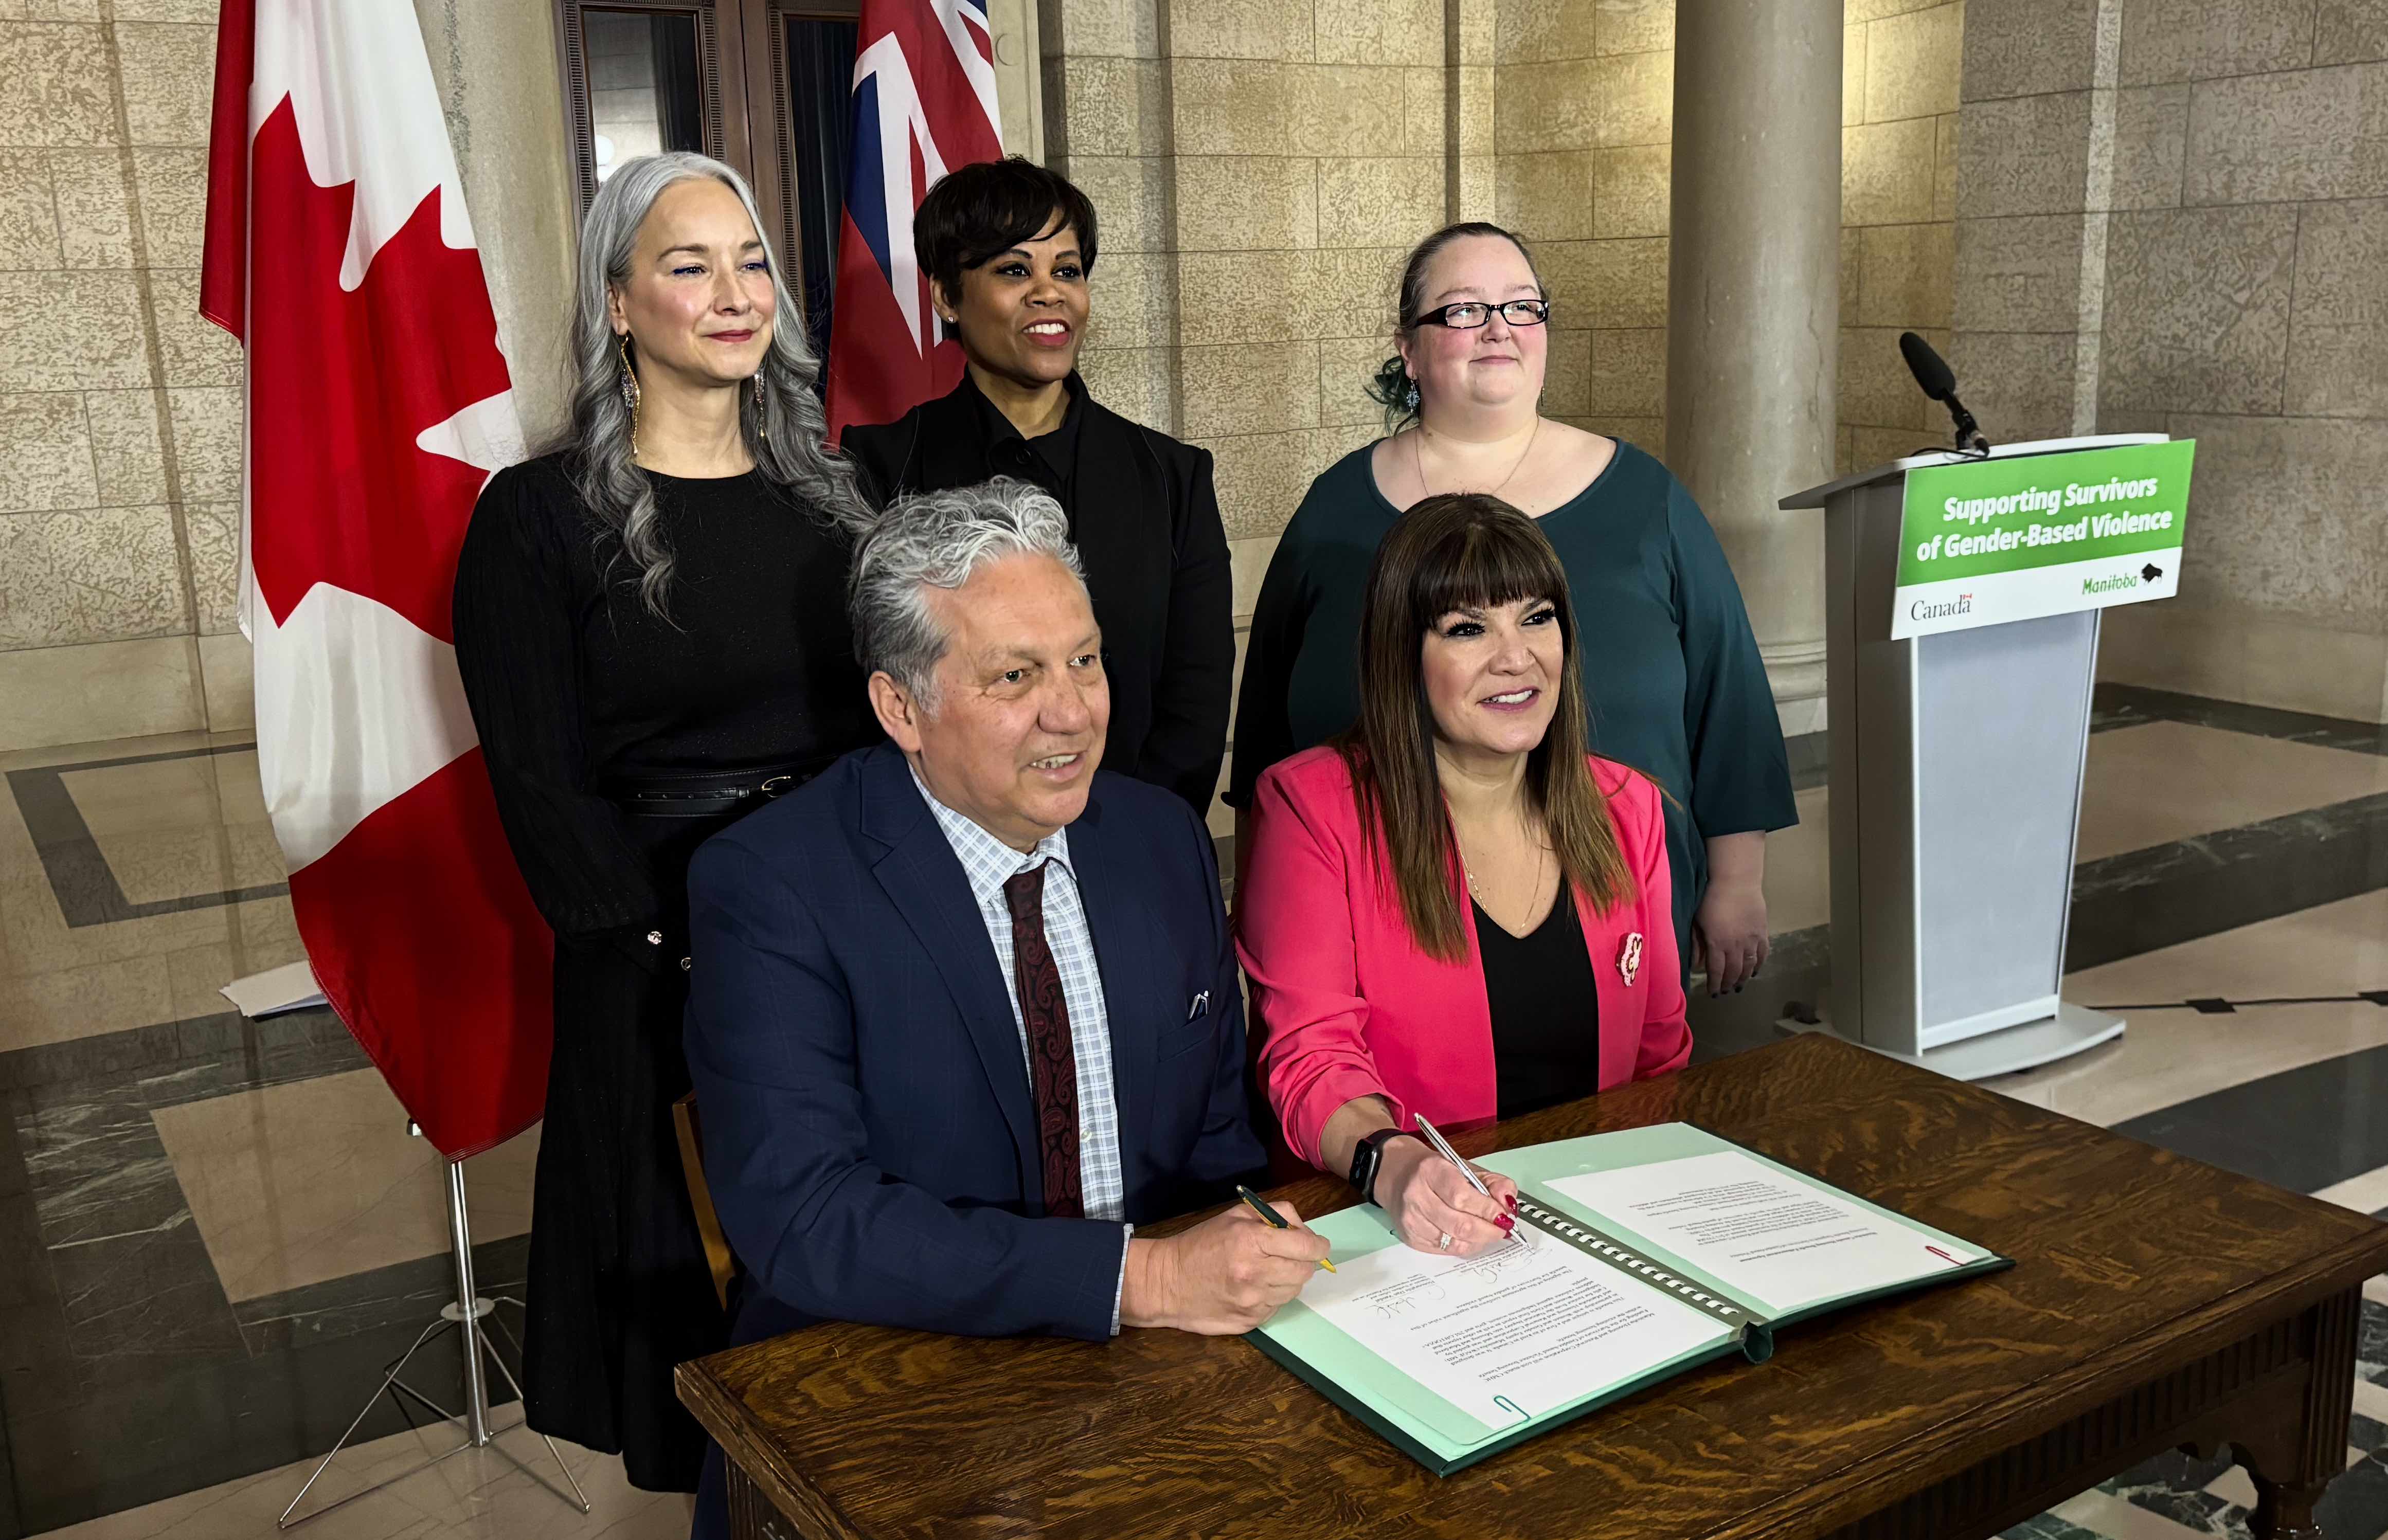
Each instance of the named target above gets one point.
<point>1670,668</point>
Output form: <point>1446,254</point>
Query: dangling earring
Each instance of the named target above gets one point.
<point>1410,397</point>
<point>629,389</point>
<point>762,413</point>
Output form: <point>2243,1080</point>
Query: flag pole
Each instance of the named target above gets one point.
<point>464,1315</point>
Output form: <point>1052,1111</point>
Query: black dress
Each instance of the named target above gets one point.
<point>1145,520</point>
<point>1545,1009</point>
<point>580,694</point>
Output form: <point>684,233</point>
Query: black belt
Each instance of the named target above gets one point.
<point>704,793</point>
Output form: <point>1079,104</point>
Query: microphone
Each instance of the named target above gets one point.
<point>1938,382</point>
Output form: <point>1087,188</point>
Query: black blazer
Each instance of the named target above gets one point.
<point>1145,520</point>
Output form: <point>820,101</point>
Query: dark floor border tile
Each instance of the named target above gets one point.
<point>79,878</point>
<point>2303,1129</point>
<point>413,1291</point>
<point>2120,705</point>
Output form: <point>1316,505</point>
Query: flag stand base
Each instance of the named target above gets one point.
<point>464,1317</point>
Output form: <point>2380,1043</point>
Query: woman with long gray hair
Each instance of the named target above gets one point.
<point>651,623</point>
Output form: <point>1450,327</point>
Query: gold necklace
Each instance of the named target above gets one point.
<point>1417,460</point>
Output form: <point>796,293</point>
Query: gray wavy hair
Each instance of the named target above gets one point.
<point>937,540</point>
<point>794,454</point>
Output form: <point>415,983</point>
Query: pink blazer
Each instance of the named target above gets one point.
<point>1345,1003</point>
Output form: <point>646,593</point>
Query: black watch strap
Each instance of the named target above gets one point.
<point>1367,1156</point>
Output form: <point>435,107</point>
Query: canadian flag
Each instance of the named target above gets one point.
<point>339,252</point>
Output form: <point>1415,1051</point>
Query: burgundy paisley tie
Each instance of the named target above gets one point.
<point>1053,1061</point>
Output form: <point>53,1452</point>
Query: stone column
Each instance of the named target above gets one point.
<point>1753,312</point>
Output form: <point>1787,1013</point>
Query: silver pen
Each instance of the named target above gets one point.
<point>1443,1147</point>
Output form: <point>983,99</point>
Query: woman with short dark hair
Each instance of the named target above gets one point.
<point>1452,910</point>
<point>1008,247</point>
<point>1678,689</point>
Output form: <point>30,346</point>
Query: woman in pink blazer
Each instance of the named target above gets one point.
<point>1448,910</point>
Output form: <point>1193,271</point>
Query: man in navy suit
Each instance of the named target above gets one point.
<point>963,1009</point>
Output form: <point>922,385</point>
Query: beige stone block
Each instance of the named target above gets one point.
<point>93,574</point>
<point>1634,26</point>
<point>45,460</point>
<point>1908,270</point>
<point>1545,107</point>
<point>1874,10</point>
<point>1647,434</point>
<point>1131,198</point>
<point>1870,447</point>
<point>1098,28</point>
<point>205,423</point>
<point>227,682</point>
<point>1548,196</point>
<point>1367,202</point>
<point>1637,99</point>
<point>54,87</point>
<point>1913,63</point>
<point>1137,383</point>
<point>1479,90</point>
<point>53,10</point>
<point>1379,32</point>
<point>1876,391</point>
<point>214,531</point>
<point>1887,172</point>
<point>173,185</point>
<point>70,330</point>
<point>1243,296</point>
<point>1844,458</point>
<point>1240,389</point>
<point>2197,309</point>
<point>165,11</point>
<point>1239,107</point>
<point>1324,446</point>
<point>1476,21</point>
<point>29,225</point>
<point>168,81</point>
<point>1351,110</point>
<point>2331,673</point>
<point>1852,271</point>
<point>1347,366</point>
<point>1531,31</point>
<point>1853,62</point>
<point>2026,156</point>
<point>1354,291</point>
<point>2166,40</point>
<point>2020,381</point>
<point>2150,139</point>
<point>2019,274</point>
<point>1248,563</point>
<point>2306,134</point>
<point>1944,168</point>
<point>2349,32</point>
<point>126,448</point>
<point>1567,373</point>
<point>1631,190</point>
<point>1261,479</point>
<point>1475,188</point>
<point>1239,29</point>
<point>194,352</point>
<point>2338,329</point>
<point>1424,129</point>
<point>1122,106</point>
<point>1246,201</point>
<point>2284,517</point>
<point>2025,47</point>
<point>1606,284</point>
<point>95,207</point>
<point>1629,374</point>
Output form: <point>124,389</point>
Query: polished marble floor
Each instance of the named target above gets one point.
<point>214,1232</point>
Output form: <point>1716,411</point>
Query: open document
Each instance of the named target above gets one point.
<point>1639,1254</point>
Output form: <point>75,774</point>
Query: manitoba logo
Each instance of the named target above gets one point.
<point>2114,581</point>
<point>1921,610</point>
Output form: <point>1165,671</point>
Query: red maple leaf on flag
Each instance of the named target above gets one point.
<point>324,431</point>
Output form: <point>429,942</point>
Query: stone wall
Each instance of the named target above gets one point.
<point>120,409</point>
<point>2175,218</point>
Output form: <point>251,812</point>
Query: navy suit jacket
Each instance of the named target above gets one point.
<point>869,1136</point>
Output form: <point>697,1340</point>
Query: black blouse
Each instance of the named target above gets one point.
<point>1545,1010</point>
<point>574,681</point>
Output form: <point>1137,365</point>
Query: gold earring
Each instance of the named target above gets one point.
<point>762,412</point>
<point>629,389</point>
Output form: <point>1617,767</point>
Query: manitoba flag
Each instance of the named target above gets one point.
<point>338,251</point>
<point>923,102</point>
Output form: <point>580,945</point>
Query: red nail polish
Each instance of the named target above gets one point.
<point>1506,1222</point>
<point>1509,1198</point>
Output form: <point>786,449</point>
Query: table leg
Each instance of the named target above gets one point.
<point>2292,1462</point>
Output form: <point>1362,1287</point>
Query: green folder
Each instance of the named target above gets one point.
<point>1444,1437</point>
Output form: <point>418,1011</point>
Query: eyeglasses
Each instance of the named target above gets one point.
<point>1469,316</point>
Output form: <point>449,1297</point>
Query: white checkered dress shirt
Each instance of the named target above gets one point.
<point>988,863</point>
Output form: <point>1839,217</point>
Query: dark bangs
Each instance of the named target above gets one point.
<point>976,213</point>
<point>1484,562</point>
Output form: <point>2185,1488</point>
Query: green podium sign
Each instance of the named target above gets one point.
<point>1989,541</point>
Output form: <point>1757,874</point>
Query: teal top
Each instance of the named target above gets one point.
<point>1671,675</point>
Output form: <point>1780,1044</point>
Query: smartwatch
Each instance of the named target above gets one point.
<point>1366,1158</point>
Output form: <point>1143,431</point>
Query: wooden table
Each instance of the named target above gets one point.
<point>2156,1303</point>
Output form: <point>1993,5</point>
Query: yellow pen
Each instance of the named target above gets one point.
<point>1270,1217</point>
